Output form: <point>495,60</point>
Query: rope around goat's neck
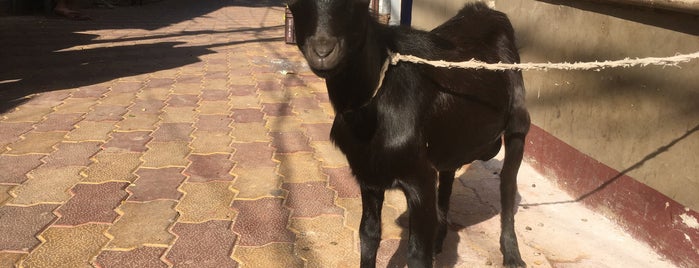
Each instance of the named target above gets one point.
<point>382,74</point>
<point>596,66</point>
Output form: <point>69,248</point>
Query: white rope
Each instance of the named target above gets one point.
<point>596,66</point>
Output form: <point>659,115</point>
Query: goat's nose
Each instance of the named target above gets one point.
<point>324,46</point>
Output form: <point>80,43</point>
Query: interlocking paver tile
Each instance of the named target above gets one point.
<point>106,113</point>
<point>112,166</point>
<point>292,81</point>
<point>173,132</point>
<point>241,90</point>
<point>318,132</point>
<point>206,201</point>
<point>341,180</point>
<point>117,99</point>
<point>126,87</point>
<point>155,184</point>
<point>254,183</point>
<point>28,113</point>
<point>277,109</point>
<point>16,167</point>
<point>11,132</point>
<point>89,92</point>
<point>214,107</point>
<point>46,185</point>
<point>206,142</point>
<point>302,206</point>
<point>8,259</point>
<point>133,141</point>
<point>72,154</point>
<point>253,154</point>
<point>210,167</point>
<point>353,211</point>
<point>92,203</point>
<point>214,94</point>
<point>68,246</point>
<point>278,96</point>
<point>5,192</point>
<point>163,154</point>
<point>290,142</point>
<point>325,242</point>
<point>36,143</point>
<point>247,115</point>
<point>329,154</point>
<point>250,132</point>
<point>143,224</point>
<point>158,82</point>
<point>322,96</point>
<point>59,122</point>
<point>314,116</point>
<point>299,167</point>
<point>75,105</point>
<point>20,225</point>
<point>91,130</point>
<point>213,122</point>
<point>268,82</point>
<point>182,100</point>
<point>188,87</point>
<point>244,102</point>
<point>262,221</point>
<point>138,121</point>
<point>304,103</point>
<point>283,124</point>
<point>49,98</point>
<point>300,92</point>
<point>147,106</point>
<point>208,244</point>
<point>139,257</point>
<point>159,94</point>
<point>272,255</point>
<point>178,115</point>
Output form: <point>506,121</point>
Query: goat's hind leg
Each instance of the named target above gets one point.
<point>370,225</point>
<point>514,151</point>
<point>446,180</point>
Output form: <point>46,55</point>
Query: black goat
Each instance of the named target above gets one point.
<point>422,123</point>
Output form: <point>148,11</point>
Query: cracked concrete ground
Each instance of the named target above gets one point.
<point>187,134</point>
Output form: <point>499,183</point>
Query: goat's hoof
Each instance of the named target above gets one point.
<point>514,263</point>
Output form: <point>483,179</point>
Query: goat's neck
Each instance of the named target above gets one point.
<point>354,87</point>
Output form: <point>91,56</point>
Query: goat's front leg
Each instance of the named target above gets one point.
<point>422,207</point>
<point>446,180</point>
<point>514,150</point>
<point>370,225</point>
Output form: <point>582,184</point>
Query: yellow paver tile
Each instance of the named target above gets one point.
<point>272,255</point>
<point>143,224</point>
<point>353,211</point>
<point>276,96</point>
<point>112,166</point>
<point>244,102</point>
<point>186,88</point>
<point>283,124</point>
<point>178,115</point>
<point>299,167</point>
<point>207,142</point>
<point>329,155</point>
<point>47,185</point>
<point>214,107</point>
<point>91,131</point>
<point>36,143</point>
<point>133,122</point>
<point>300,92</point>
<point>160,93</point>
<point>74,105</point>
<point>166,154</point>
<point>325,242</point>
<point>206,201</point>
<point>8,259</point>
<point>117,99</point>
<point>68,246</point>
<point>254,183</point>
<point>28,113</point>
<point>5,193</point>
<point>314,116</point>
<point>250,132</point>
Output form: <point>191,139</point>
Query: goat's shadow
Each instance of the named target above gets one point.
<point>475,199</point>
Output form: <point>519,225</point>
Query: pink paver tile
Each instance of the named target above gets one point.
<point>159,82</point>
<point>92,203</point>
<point>134,141</point>
<point>213,122</point>
<point>73,154</point>
<point>127,87</point>
<point>106,113</point>
<point>89,92</point>
<point>305,103</point>
<point>147,106</point>
<point>318,132</point>
<point>189,79</point>
<point>178,100</point>
<point>247,115</point>
<point>213,167</point>
<point>173,132</point>
<point>242,90</point>
<point>254,154</point>
<point>322,97</point>
<point>10,132</point>
<point>277,109</point>
<point>290,142</point>
<point>59,122</point>
<point>139,257</point>
<point>15,168</point>
<point>342,181</point>
<point>214,95</point>
<point>302,206</point>
<point>262,221</point>
<point>49,98</point>
<point>208,244</point>
<point>20,225</point>
<point>292,81</point>
<point>155,184</point>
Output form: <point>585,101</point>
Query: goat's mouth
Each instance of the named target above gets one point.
<point>323,59</point>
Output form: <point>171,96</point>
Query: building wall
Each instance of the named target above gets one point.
<point>640,122</point>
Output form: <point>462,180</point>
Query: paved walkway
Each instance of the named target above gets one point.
<point>187,134</point>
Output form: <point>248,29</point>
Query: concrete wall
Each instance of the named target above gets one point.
<point>624,118</point>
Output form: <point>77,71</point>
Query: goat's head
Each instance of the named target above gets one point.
<point>328,30</point>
